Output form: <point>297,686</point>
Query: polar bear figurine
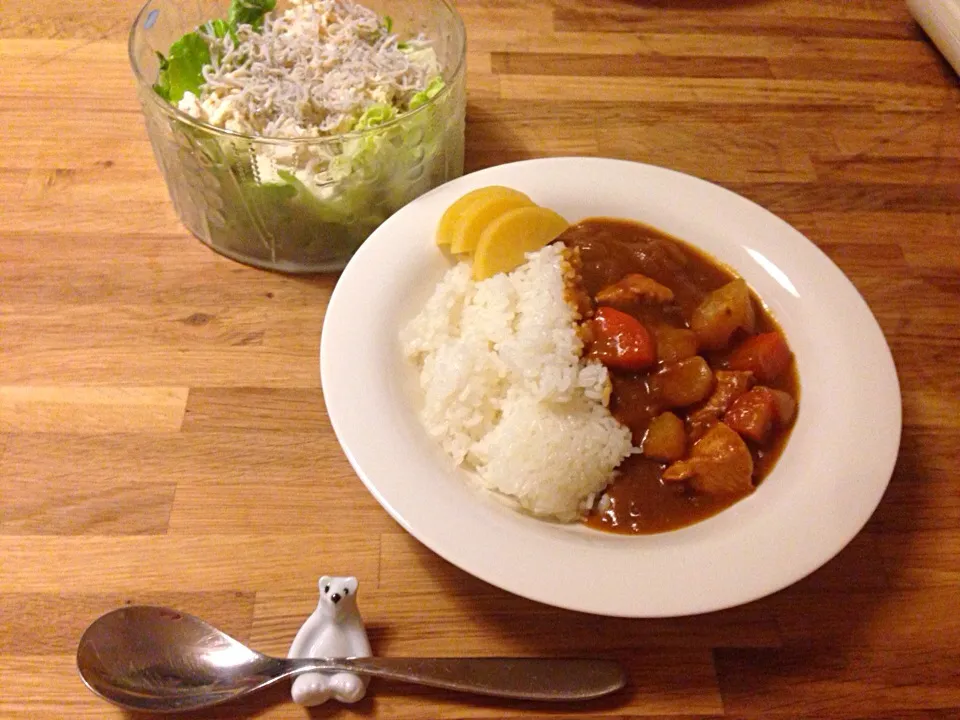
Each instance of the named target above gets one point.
<point>334,629</point>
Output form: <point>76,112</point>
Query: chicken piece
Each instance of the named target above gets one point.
<point>634,287</point>
<point>698,426</point>
<point>730,384</point>
<point>719,464</point>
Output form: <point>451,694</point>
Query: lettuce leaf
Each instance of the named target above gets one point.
<point>375,115</point>
<point>430,91</point>
<point>345,205</point>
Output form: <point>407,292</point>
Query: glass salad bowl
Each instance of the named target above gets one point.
<point>304,204</point>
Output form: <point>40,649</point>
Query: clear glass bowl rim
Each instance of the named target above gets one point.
<point>176,113</point>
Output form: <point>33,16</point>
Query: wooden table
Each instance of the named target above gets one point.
<point>163,437</point>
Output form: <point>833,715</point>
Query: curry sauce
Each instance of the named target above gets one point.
<point>641,500</point>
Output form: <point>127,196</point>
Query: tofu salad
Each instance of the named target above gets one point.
<point>328,118</point>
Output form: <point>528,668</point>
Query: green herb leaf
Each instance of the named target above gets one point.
<point>182,70</point>
<point>249,12</point>
<point>387,23</point>
<point>216,28</point>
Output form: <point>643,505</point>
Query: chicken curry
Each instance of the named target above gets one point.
<point>701,374</point>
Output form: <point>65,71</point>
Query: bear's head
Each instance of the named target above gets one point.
<point>338,595</point>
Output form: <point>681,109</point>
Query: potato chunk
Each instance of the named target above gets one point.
<point>723,312</point>
<point>675,344</point>
<point>684,383</point>
<point>785,406</point>
<point>666,439</point>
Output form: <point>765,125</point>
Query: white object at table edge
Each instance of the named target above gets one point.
<point>940,20</point>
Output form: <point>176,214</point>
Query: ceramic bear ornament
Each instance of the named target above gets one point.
<point>334,629</point>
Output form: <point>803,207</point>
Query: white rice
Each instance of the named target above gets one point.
<point>506,392</point>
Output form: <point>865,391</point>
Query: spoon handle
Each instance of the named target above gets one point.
<point>518,678</point>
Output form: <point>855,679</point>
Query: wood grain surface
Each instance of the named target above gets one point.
<point>163,437</point>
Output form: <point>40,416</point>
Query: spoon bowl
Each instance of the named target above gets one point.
<point>160,660</point>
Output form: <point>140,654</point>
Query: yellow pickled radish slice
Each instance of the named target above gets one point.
<point>480,213</point>
<point>453,213</point>
<point>505,241</point>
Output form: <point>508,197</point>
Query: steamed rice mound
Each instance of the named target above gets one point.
<point>505,390</point>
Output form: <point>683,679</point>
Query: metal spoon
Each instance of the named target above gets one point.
<point>158,659</point>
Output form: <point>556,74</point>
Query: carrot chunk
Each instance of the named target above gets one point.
<point>765,355</point>
<point>620,340</point>
<point>752,415</point>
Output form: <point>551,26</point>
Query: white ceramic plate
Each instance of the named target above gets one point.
<point>822,491</point>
